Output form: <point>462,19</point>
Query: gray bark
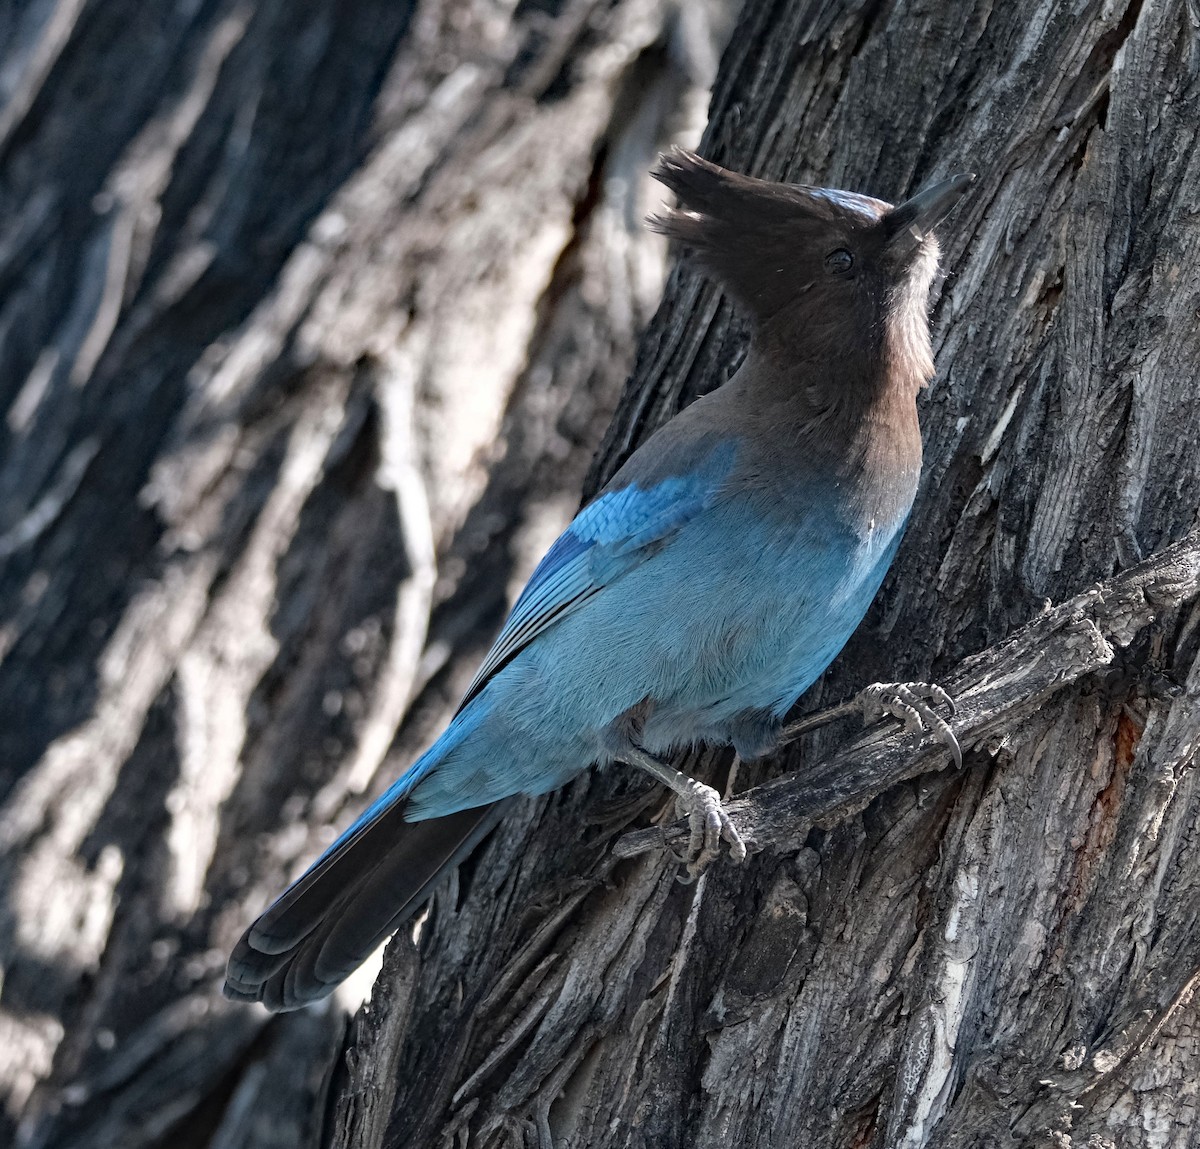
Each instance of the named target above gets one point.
<point>310,319</point>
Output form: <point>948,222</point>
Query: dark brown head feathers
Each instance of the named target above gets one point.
<point>711,198</point>
<point>757,237</point>
<point>828,276</point>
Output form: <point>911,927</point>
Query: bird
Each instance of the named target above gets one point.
<point>704,588</point>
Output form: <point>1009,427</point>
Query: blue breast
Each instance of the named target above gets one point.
<point>772,610</point>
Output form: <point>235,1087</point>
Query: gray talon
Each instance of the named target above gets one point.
<point>701,805</point>
<point>710,826</point>
<point>909,701</point>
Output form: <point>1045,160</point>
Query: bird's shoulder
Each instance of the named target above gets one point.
<point>698,445</point>
<point>651,498</point>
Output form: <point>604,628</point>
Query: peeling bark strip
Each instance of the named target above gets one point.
<point>311,315</point>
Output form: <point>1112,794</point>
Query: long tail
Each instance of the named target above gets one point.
<point>376,875</point>
<point>327,923</point>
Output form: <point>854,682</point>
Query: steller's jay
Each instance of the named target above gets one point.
<point>705,587</point>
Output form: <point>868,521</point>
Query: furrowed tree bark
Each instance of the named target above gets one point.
<point>309,328</point>
<point>311,317</point>
<point>1004,955</point>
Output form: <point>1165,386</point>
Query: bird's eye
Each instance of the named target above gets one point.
<point>839,261</point>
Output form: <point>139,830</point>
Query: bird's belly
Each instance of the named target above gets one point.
<point>699,636</point>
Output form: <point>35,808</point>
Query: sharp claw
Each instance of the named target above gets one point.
<point>944,697</point>
<point>710,825</point>
<point>906,701</point>
<point>737,848</point>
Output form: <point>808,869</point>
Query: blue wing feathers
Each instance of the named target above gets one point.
<point>608,537</point>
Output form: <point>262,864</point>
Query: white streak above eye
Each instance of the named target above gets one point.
<point>866,206</point>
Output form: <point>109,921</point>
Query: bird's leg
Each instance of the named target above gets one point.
<point>709,823</point>
<point>908,701</point>
<point>731,777</point>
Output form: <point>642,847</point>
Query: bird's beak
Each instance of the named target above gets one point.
<point>909,223</point>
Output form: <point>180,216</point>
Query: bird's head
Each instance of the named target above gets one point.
<point>826,275</point>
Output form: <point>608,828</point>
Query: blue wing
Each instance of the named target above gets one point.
<point>611,535</point>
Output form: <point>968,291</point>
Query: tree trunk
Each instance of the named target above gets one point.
<point>311,317</point>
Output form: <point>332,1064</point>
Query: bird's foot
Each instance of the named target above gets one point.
<point>710,826</point>
<point>908,701</point>
<point>701,805</point>
<point>911,703</point>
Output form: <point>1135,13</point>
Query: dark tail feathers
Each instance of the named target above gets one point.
<point>328,922</point>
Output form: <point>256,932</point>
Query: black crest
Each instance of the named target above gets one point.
<point>766,242</point>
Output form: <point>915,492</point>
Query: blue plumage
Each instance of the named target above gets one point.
<point>703,590</point>
<point>609,536</point>
<point>713,634</point>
